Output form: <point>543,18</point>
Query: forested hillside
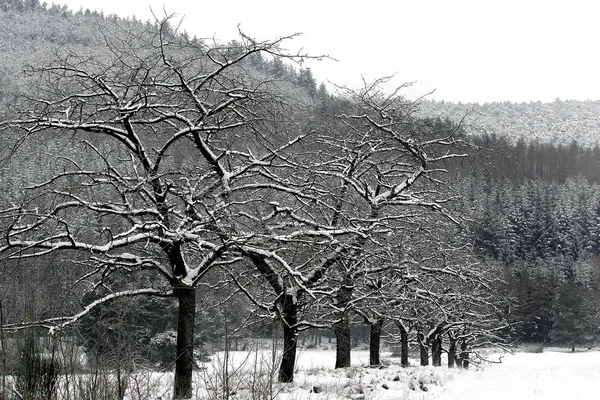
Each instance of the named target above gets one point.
<point>557,123</point>
<point>163,197</point>
<point>546,237</point>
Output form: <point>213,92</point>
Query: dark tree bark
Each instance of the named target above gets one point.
<point>184,363</point>
<point>375,342</point>
<point>289,319</point>
<point>341,330</point>
<point>464,355</point>
<point>436,350</point>
<point>403,346</point>
<point>288,307</point>
<point>423,349</point>
<point>288,359</point>
<point>451,351</point>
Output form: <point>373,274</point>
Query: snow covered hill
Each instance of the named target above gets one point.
<point>558,122</point>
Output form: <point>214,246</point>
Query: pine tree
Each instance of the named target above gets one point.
<point>573,320</point>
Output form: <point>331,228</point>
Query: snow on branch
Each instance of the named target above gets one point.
<point>59,323</point>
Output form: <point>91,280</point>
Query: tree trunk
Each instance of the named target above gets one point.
<point>342,327</point>
<point>403,346</point>
<point>451,351</point>
<point>375,342</point>
<point>184,363</point>
<point>289,321</point>
<point>464,355</point>
<point>423,349</point>
<point>436,350</point>
<point>342,347</point>
<point>288,307</point>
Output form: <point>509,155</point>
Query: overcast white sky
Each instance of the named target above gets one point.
<point>465,50</point>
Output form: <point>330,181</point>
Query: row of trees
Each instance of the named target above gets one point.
<point>528,160</point>
<point>140,162</point>
<point>168,160</point>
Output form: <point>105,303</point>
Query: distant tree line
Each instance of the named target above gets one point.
<point>535,160</point>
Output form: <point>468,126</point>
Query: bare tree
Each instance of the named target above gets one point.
<point>445,296</point>
<point>390,168</point>
<point>352,182</point>
<point>163,140</point>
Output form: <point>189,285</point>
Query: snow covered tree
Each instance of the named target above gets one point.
<point>359,174</point>
<point>390,167</point>
<point>573,320</point>
<point>161,140</point>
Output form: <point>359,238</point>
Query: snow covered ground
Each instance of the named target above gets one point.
<point>315,379</point>
<point>553,374</point>
<point>360,382</point>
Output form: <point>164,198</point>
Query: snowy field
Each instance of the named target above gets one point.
<point>315,379</point>
<point>315,370</point>
<point>553,374</point>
